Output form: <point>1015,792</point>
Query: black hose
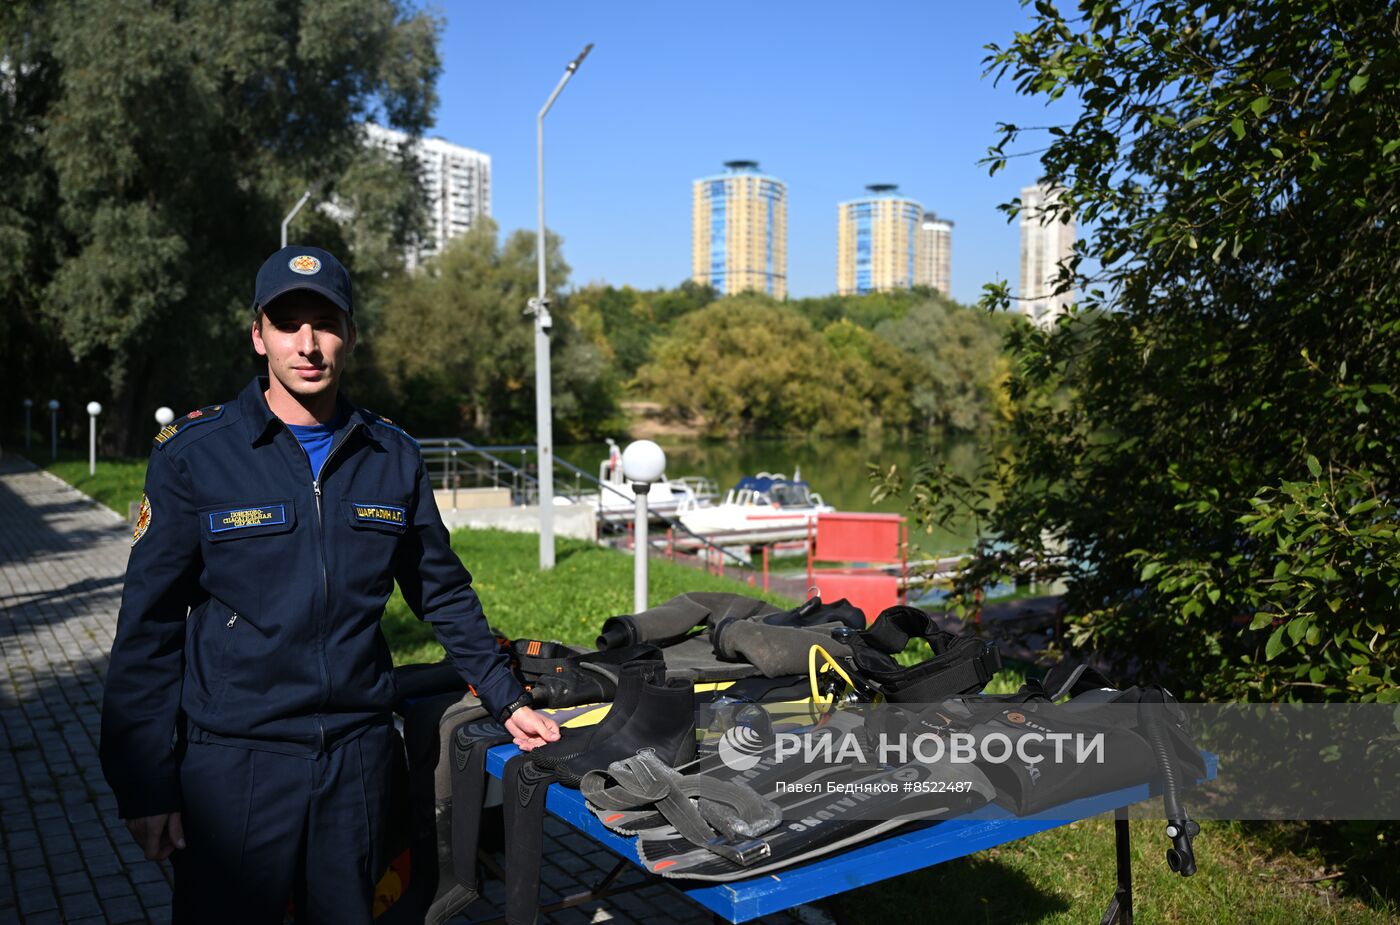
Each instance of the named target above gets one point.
<point>1181,857</point>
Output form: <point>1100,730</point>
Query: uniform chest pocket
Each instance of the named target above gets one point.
<point>378,516</point>
<point>239,521</point>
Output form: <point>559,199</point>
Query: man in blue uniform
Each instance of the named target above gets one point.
<point>245,724</point>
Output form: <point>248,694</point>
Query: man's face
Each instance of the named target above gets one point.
<point>307,341</point>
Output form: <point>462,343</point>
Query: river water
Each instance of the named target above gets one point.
<point>835,469</point>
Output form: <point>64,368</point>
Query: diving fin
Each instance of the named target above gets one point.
<point>852,807</point>
<point>761,772</point>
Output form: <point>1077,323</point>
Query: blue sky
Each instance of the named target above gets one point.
<point>825,96</point>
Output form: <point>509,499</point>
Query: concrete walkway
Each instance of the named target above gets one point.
<point>64,854</point>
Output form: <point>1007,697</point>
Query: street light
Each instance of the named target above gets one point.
<point>53,428</point>
<point>28,405</point>
<point>93,410</point>
<point>643,463</point>
<point>539,307</point>
<point>292,214</point>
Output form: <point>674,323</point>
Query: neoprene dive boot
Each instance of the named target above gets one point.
<point>663,719</point>
<point>575,741</point>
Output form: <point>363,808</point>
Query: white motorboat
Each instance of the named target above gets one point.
<point>766,506</point>
<point>616,499</point>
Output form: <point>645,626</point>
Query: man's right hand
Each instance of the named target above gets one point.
<point>158,836</point>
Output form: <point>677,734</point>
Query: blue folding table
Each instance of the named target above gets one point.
<point>741,900</point>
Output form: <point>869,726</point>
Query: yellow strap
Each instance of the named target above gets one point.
<point>585,715</point>
<point>813,669</point>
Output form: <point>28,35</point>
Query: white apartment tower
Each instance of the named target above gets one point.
<point>456,181</point>
<point>1045,243</point>
<point>934,263</point>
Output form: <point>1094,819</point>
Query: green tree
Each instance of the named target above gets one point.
<point>866,310</point>
<point>873,371</point>
<point>1205,451</point>
<point>456,349</point>
<point>629,319</point>
<point>621,322</point>
<point>957,368</point>
<point>669,304</point>
<point>748,365</point>
<point>149,152</point>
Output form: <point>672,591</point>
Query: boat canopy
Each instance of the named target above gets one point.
<point>778,489</point>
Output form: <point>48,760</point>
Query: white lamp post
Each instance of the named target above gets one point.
<point>164,415</point>
<point>53,428</point>
<point>539,306</point>
<point>28,406</point>
<point>93,410</point>
<point>291,215</point>
<point>643,463</point>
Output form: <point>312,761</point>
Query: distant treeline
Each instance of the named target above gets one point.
<point>902,361</point>
<point>452,353</point>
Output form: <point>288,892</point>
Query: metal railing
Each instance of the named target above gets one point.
<point>455,464</point>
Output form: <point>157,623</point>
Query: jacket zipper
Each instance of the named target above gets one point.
<point>325,577</point>
<point>232,620</point>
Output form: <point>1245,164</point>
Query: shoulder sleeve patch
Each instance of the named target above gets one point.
<point>177,427</point>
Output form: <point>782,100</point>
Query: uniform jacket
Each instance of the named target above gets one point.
<point>253,594</point>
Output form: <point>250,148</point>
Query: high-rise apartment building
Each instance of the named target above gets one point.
<point>739,231</point>
<point>1046,242</point>
<point>933,266</point>
<point>456,182</point>
<point>877,242</point>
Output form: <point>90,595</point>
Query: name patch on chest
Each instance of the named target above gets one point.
<point>243,517</point>
<point>380,514</point>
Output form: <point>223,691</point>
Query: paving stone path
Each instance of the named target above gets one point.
<point>64,854</point>
<point>67,856</point>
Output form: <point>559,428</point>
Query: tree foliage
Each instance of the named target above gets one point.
<point>866,310</point>
<point>148,153</point>
<point>749,365</point>
<point>1205,450</point>
<point>455,348</point>
<point>957,368</point>
<point>903,359</point>
<point>627,320</point>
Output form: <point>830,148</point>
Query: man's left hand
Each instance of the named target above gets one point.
<point>531,730</point>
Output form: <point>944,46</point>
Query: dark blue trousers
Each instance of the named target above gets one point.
<point>263,828</point>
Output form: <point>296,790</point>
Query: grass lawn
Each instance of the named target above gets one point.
<point>1247,874</point>
<point>1066,875</point>
<point>118,482</point>
<point>569,604</point>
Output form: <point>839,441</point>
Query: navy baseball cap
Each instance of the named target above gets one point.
<point>298,267</point>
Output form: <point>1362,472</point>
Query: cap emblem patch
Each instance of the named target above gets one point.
<point>306,265</point>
